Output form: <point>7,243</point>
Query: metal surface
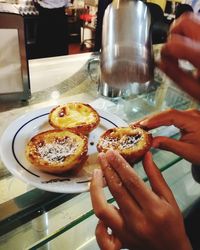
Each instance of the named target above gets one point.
<point>108,91</point>
<point>103,88</point>
<point>126,55</point>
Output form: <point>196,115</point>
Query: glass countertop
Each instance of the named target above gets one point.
<point>31,218</point>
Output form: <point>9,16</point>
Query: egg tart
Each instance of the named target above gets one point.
<point>57,151</point>
<point>131,143</point>
<point>77,117</point>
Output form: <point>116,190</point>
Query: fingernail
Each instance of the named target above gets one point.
<point>143,122</point>
<point>111,154</point>
<point>101,156</point>
<point>134,125</point>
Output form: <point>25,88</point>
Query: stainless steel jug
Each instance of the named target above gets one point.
<point>95,75</point>
<point>126,55</point>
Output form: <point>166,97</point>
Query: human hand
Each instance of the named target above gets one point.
<point>188,146</point>
<point>183,43</point>
<point>146,219</point>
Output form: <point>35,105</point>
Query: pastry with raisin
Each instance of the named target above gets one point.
<point>77,117</point>
<point>131,143</point>
<point>57,151</point>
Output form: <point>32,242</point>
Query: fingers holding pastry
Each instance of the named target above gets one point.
<point>111,217</point>
<point>188,145</point>
<point>116,186</point>
<point>130,181</point>
<point>102,209</point>
<point>178,118</point>
<point>158,183</point>
<point>188,151</point>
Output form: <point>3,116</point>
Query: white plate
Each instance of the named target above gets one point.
<point>12,152</point>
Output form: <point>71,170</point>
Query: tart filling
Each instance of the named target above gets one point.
<point>57,151</point>
<point>131,143</point>
<point>77,117</point>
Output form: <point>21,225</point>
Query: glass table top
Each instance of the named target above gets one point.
<point>38,216</point>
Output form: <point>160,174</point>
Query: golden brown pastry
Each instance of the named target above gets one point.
<point>75,116</point>
<point>131,143</point>
<point>57,151</point>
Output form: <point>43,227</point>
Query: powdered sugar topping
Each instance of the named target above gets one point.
<point>58,150</point>
<point>109,142</point>
<point>129,141</point>
<point>120,143</point>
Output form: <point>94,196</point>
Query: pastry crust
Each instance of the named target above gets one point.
<point>57,151</point>
<point>77,117</point>
<point>131,143</point>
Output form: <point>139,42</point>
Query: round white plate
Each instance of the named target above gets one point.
<point>16,136</point>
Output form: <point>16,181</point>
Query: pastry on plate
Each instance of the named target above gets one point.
<point>57,151</point>
<point>75,116</point>
<point>131,143</point>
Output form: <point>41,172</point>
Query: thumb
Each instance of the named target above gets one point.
<point>106,240</point>
<point>184,150</point>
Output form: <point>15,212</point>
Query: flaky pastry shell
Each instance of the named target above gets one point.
<point>77,117</point>
<point>57,151</point>
<point>131,143</point>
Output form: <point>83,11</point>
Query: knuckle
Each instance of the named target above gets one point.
<point>118,194</point>
<point>174,111</point>
<point>97,231</point>
<point>161,216</point>
<point>141,229</point>
<point>176,114</point>
<point>102,212</point>
<point>133,183</point>
<point>112,178</point>
<point>170,193</point>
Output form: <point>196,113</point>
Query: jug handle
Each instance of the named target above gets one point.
<point>89,68</point>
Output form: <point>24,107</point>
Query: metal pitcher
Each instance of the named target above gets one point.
<point>127,54</point>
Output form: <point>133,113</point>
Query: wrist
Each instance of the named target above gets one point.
<point>185,244</point>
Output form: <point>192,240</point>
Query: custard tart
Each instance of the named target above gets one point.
<point>131,143</point>
<point>77,117</point>
<point>57,151</point>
